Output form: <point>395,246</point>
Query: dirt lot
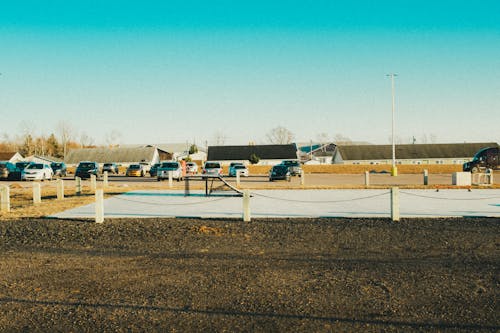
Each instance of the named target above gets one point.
<point>326,275</point>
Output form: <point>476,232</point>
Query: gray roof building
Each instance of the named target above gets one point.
<point>243,153</point>
<point>409,152</point>
<point>117,155</point>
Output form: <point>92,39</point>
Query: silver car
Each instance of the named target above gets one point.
<point>169,167</point>
<point>212,168</point>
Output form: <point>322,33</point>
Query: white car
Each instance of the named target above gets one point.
<point>191,168</point>
<point>166,167</point>
<point>234,169</point>
<point>212,168</point>
<point>38,171</point>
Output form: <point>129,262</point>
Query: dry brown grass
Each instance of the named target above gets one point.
<point>360,168</point>
<point>343,168</point>
<point>21,198</point>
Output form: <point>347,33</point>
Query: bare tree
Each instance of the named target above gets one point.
<point>219,138</point>
<point>340,139</point>
<point>7,144</point>
<point>28,132</point>
<point>323,138</point>
<point>85,140</point>
<point>113,138</point>
<point>65,132</point>
<point>433,137</point>
<point>280,135</point>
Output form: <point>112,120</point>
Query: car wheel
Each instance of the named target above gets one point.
<point>474,170</point>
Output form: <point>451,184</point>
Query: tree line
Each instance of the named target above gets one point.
<point>40,145</point>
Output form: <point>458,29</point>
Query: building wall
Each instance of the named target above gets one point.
<point>412,161</point>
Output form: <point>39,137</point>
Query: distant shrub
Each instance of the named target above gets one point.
<point>254,159</point>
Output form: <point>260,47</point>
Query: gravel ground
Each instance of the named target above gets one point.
<point>277,275</point>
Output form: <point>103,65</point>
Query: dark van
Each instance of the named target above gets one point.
<point>486,158</point>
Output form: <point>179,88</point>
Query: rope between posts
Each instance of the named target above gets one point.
<point>171,204</point>
<point>437,198</point>
<point>320,201</point>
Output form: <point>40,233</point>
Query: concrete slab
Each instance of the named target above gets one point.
<point>297,203</point>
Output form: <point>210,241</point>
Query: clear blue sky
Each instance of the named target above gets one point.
<point>176,71</point>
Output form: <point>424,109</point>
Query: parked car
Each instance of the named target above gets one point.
<point>154,169</point>
<point>234,169</point>
<point>212,168</point>
<point>191,168</point>
<point>135,170</point>
<point>38,171</point>
<point>9,171</point>
<point>110,168</point>
<point>293,167</point>
<point>486,158</point>
<point>59,169</point>
<point>279,172</point>
<point>23,165</point>
<point>171,166</point>
<point>86,168</point>
<point>146,166</point>
<point>231,166</point>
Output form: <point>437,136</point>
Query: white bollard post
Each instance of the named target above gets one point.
<point>105,179</point>
<point>4,198</point>
<point>246,206</point>
<point>93,182</point>
<point>78,186</point>
<point>60,189</point>
<point>99,206</point>
<point>489,176</point>
<point>170,179</point>
<point>426,177</point>
<point>302,178</point>
<point>37,193</point>
<point>395,204</point>
<point>367,178</point>
<point>238,175</point>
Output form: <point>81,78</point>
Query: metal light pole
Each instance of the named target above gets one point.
<point>394,169</point>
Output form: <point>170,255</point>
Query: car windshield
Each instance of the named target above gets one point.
<point>22,165</point>
<point>479,154</point>
<point>212,165</point>
<point>134,167</point>
<point>37,166</point>
<point>170,165</point>
<point>56,165</point>
<point>279,168</point>
<point>239,167</point>
<point>291,163</point>
<point>3,165</point>
<point>86,165</point>
<point>108,164</point>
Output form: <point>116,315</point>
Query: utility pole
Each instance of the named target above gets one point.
<point>394,169</point>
